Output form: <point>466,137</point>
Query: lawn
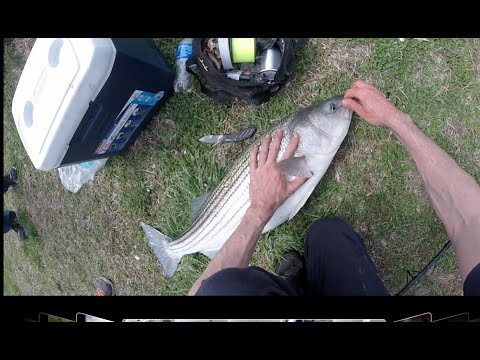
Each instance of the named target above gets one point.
<point>373,183</point>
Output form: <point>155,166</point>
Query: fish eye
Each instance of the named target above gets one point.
<point>333,107</point>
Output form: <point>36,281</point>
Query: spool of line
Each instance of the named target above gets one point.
<point>243,50</point>
<point>224,45</point>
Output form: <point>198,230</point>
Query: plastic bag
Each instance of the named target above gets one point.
<point>73,177</point>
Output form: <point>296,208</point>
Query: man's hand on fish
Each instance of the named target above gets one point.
<point>269,187</point>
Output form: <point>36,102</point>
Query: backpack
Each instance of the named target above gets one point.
<point>255,91</point>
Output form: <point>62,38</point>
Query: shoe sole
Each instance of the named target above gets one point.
<point>108,282</point>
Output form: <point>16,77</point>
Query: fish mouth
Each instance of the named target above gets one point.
<point>341,103</point>
<point>338,100</point>
<point>341,107</point>
<point>347,111</point>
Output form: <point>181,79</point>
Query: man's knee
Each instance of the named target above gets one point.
<point>231,281</point>
<point>251,281</point>
<point>325,231</point>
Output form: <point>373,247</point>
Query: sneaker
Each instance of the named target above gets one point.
<point>19,230</point>
<point>13,217</point>
<point>13,176</point>
<point>291,266</point>
<point>11,179</point>
<point>104,287</point>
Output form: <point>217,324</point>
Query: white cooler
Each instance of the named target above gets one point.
<point>84,99</point>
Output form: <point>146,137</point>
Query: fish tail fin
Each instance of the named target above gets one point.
<point>160,246</point>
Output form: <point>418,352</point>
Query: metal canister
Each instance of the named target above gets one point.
<point>270,60</point>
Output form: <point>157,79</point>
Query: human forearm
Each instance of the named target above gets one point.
<point>237,251</point>
<point>454,194</point>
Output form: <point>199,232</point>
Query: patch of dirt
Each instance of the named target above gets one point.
<point>343,56</point>
<point>375,78</point>
<point>441,70</point>
<point>333,55</point>
<point>476,158</point>
<point>361,156</point>
<point>414,185</point>
<point>453,130</point>
<point>156,198</point>
<point>264,262</point>
<point>159,132</point>
<point>227,154</point>
<point>434,71</point>
<point>438,282</point>
<point>23,46</point>
<point>456,133</point>
<point>476,59</point>
<point>22,268</point>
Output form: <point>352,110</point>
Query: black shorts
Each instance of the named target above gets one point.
<point>336,264</point>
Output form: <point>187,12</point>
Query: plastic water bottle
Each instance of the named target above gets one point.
<point>183,80</point>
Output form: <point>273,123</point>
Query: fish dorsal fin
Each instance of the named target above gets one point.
<point>198,202</point>
<point>295,166</point>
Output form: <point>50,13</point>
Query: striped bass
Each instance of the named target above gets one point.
<point>321,127</point>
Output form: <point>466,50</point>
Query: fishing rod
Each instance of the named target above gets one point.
<point>422,273</point>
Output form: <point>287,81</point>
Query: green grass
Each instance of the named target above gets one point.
<point>10,286</point>
<point>372,182</point>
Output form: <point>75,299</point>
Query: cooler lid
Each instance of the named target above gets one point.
<point>60,78</point>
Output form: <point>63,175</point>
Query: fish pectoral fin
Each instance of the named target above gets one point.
<point>295,166</point>
<point>308,188</point>
<point>209,253</point>
<point>198,202</point>
<point>293,204</point>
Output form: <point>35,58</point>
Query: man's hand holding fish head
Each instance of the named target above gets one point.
<point>372,106</point>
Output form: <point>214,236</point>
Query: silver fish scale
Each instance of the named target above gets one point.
<point>287,135</point>
<point>224,209</point>
<point>225,198</point>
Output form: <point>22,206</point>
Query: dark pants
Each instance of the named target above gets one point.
<point>336,264</point>
<point>7,221</point>
<point>7,183</point>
